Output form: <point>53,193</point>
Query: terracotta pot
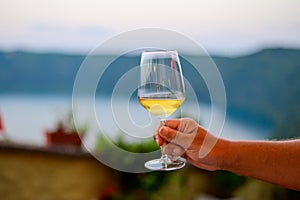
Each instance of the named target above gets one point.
<point>60,137</point>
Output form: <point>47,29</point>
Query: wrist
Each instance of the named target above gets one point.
<point>225,155</point>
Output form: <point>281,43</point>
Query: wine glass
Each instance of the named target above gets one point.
<point>161,91</point>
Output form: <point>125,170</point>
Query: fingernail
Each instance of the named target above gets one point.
<point>157,141</point>
<point>162,132</point>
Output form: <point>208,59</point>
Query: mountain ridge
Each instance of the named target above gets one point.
<point>264,83</point>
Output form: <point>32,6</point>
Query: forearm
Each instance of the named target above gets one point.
<point>276,162</point>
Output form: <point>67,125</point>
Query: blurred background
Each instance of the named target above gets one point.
<point>255,45</point>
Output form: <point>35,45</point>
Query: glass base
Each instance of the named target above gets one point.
<point>160,165</point>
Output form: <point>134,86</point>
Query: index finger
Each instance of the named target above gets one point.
<point>173,123</point>
<point>176,137</point>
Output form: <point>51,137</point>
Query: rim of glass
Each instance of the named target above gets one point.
<point>159,51</point>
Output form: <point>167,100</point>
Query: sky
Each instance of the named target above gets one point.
<point>230,27</point>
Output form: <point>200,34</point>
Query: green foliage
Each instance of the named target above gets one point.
<point>224,183</point>
<point>137,147</point>
<point>141,186</point>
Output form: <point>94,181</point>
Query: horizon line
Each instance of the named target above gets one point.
<point>213,53</point>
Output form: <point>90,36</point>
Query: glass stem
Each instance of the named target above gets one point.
<point>164,156</point>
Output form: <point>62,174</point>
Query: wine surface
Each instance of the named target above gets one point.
<point>160,107</point>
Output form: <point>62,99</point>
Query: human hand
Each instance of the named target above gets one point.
<point>188,139</point>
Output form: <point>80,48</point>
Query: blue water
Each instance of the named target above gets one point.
<point>26,118</point>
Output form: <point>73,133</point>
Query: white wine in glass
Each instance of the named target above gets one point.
<point>161,92</point>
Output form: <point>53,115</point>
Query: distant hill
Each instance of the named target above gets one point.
<point>23,72</point>
<point>266,82</point>
<point>264,85</point>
